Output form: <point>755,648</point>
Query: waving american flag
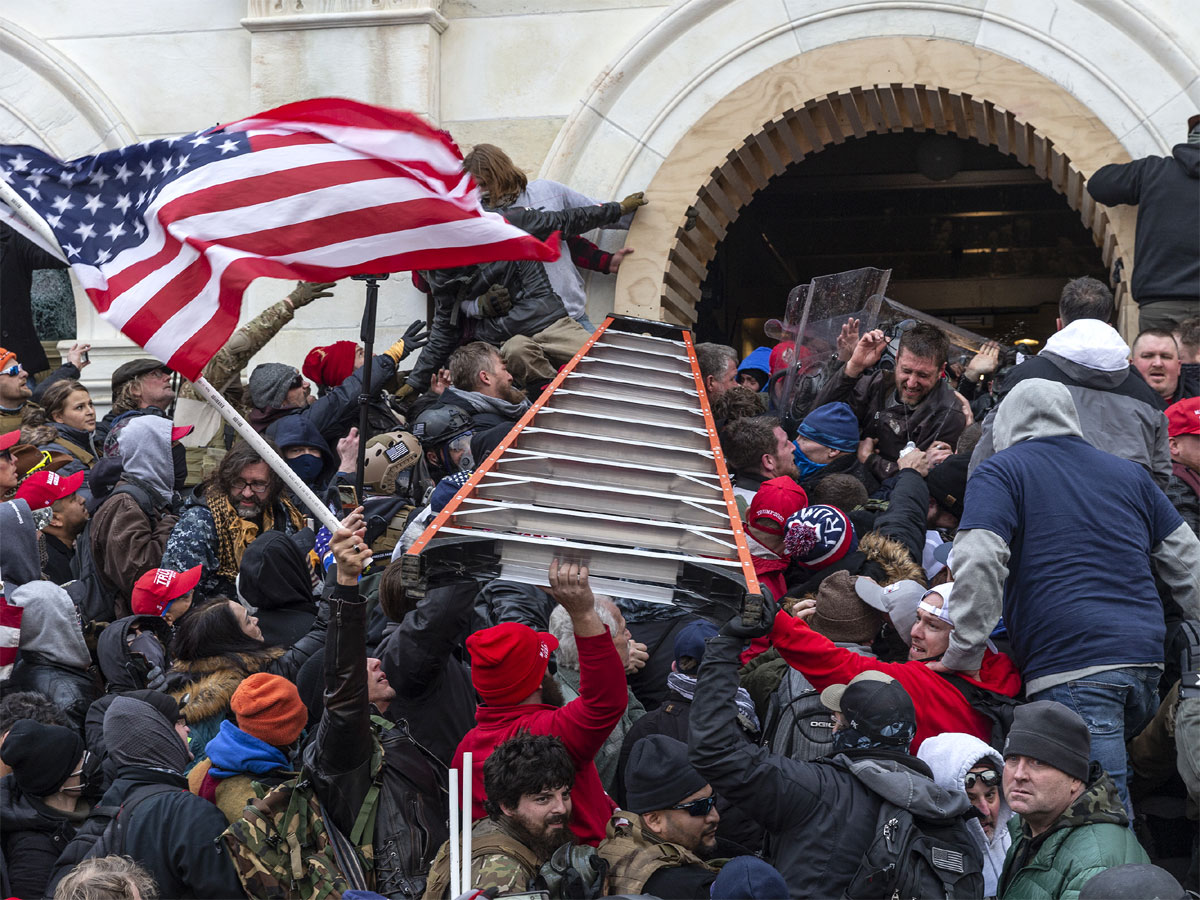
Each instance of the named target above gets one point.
<point>165,235</point>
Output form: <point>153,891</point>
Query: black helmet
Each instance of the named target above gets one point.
<point>439,425</point>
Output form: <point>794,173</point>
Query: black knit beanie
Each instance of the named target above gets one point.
<point>42,757</point>
<point>1051,733</point>
<point>659,775</point>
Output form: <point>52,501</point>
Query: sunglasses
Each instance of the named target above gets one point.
<point>700,807</point>
<point>989,778</point>
<point>41,463</point>
<point>13,370</point>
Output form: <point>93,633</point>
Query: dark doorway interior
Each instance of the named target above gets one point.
<point>972,236</point>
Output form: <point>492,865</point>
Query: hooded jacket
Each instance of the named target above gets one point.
<point>1091,836</point>
<point>34,835</point>
<point>1047,522</point>
<point>125,542</point>
<point>1118,412</point>
<point>274,579</point>
<point>940,705</point>
<point>297,431</point>
<point>54,658</point>
<point>1167,193</point>
<point>172,833</point>
<point>20,561</point>
<point>950,757</point>
<point>759,360</point>
<point>821,816</point>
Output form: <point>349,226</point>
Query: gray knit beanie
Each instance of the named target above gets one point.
<point>137,734</point>
<point>270,383</point>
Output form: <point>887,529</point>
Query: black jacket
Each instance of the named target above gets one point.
<point>434,694</point>
<point>18,259</point>
<point>820,819</point>
<point>1167,194</point>
<point>33,835</point>
<point>535,305</point>
<point>173,834</point>
<point>71,690</point>
<point>411,821</point>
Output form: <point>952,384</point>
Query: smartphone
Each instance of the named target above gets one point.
<point>85,357</point>
<point>348,498</point>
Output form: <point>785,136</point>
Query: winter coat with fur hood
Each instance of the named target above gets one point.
<point>950,757</point>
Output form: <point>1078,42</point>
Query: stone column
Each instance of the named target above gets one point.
<point>384,52</point>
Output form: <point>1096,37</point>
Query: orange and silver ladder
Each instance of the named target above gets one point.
<point>616,465</point>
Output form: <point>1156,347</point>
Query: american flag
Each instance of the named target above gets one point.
<point>165,235</point>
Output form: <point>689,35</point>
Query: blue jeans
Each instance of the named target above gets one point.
<point>1116,705</point>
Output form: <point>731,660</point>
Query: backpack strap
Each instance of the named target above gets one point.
<point>85,456</point>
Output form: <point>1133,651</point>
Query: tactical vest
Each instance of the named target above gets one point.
<point>487,839</point>
<point>634,854</point>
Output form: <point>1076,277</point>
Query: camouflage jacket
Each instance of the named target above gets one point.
<point>231,359</point>
<point>634,854</point>
<point>498,860</point>
<point>1091,836</point>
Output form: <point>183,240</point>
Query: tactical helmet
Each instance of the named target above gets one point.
<point>388,455</point>
<point>439,425</point>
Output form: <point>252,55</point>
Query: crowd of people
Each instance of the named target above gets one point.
<point>975,671</point>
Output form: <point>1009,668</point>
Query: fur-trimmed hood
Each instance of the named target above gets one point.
<point>211,681</point>
<point>893,557</point>
<point>38,434</point>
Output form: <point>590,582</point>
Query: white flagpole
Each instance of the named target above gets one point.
<point>455,862</point>
<point>468,819</point>
<point>318,509</point>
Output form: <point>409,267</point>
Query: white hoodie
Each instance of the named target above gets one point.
<point>951,756</point>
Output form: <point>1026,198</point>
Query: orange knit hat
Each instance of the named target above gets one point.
<point>269,708</point>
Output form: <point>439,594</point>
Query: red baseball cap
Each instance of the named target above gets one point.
<point>154,591</point>
<point>1182,417</point>
<point>776,500</point>
<point>508,661</point>
<point>178,433</point>
<point>42,489</point>
<point>8,439</point>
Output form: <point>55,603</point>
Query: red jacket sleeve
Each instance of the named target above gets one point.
<point>819,659</point>
<point>585,723</point>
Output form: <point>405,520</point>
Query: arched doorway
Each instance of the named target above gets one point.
<point>939,129</point>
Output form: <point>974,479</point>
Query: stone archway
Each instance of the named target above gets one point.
<point>822,122</point>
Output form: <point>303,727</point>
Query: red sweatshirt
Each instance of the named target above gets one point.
<point>584,725</point>
<point>939,704</point>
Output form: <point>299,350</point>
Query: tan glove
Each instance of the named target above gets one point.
<point>405,391</point>
<point>495,302</point>
<point>632,202</point>
<point>306,292</point>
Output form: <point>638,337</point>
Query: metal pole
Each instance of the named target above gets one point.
<point>367,336</point>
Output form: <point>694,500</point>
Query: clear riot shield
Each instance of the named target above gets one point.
<point>813,319</point>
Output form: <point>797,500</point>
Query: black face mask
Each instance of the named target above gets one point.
<point>179,463</point>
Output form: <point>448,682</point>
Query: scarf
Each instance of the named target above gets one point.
<point>234,534</point>
<point>685,686</point>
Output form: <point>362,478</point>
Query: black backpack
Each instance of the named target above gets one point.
<point>797,724</point>
<point>997,707</point>
<point>915,858</point>
<point>95,598</point>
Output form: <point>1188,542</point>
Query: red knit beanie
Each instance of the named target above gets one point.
<point>330,366</point>
<point>508,661</point>
<point>269,708</point>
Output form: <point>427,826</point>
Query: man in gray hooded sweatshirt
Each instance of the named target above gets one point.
<point>130,529</point>
<point>1067,540</point>
<point>172,833</point>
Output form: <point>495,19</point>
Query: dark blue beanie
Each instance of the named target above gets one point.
<point>748,878</point>
<point>833,425</point>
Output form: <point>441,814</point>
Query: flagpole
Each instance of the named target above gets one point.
<point>303,492</point>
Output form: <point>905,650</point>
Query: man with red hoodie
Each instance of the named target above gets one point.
<point>939,704</point>
<point>508,669</point>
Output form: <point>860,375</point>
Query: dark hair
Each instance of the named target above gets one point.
<point>714,359</point>
<point>1188,332</point>
<point>926,342</point>
<point>393,599</point>
<point>1085,298</point>
<point>737,403</point>
<point>1158,333</point>
<point>239,456</point>
<point>212,630</point>
<point>19,705</point>
<point>467,361</point>
<point>969,438</point>
<point>841,490</point>
<point>746,440</point>
<point>52,402</point>
<point>525,764</point>
<point>495,173</point>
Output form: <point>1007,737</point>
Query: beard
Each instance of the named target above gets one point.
<point>552,694</point>
<point>248,509</point>
<point>512,395</point>
<point>542,837</point>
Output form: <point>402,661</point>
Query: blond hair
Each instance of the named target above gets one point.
<point>107,878</point>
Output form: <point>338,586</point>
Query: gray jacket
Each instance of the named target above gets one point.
<point>1118,412</point>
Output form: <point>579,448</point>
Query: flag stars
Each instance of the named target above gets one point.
<point>20,163</point>
<point>115,230</point>
<point>54,221</point>
<point>99,177</point>
<point>148,169</point>
<point>63,203</point>
<point>123,173</point>
<point>138,228</point>
<point>94,203</point>
<point>227,147</point>
<point>182,164</point>
<point>6,176</point>
<point>38,177</point>
<point>70,250</point>
<point>34,193</point>
<point>122,203</point>
<point>166,166</point>
<point>199,140</point>
<point>102,256</point>
<point>85,231</point>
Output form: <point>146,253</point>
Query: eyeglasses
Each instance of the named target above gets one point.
<point>259,487</point>
<point>989,778</point>
<point>701,807</point>
<point>13,370</point>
